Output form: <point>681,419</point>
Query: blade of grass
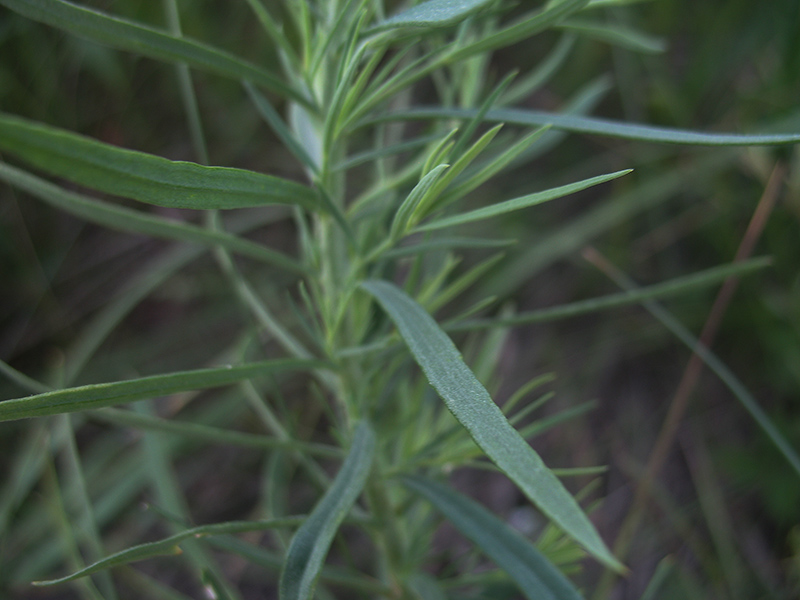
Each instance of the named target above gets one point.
<point>108,394</point>
<point>134,221</point>
<point>526,201</point>
<point>471,404</point>
<point>537,578</point>
<point>618,35</point>
<point>678,285</point>
<point>311,542</point>
<point>141,176</point>
<point>170,546</point>
<point>593,125</point>
<point>148,41</point>
<point>210,434</point>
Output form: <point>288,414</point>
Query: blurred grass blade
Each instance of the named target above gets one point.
<point>209,434</point>
<point>171,545</point>
<point>471,404</point>
<point>126,219</point>
<point>719,368</point>
<point>277,124</point>
<point>500,208</point>
<point>141,176</point>
<point>447,243</point>
<point>597,126</point>
<point>148,41</point>
<point>537,578</point>
<point>310,543</point>
<point>108,394</point>
<point>432,13</point>
<point>679,285</point>
<point>624,37</point>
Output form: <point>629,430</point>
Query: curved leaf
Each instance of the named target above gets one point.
<point>141,176</point>
<point>471,404</point>
<point>148,41</point>
<point>98,395</point>
<point>310,543</point>
<point>538,578</point>
<point>598,126</point>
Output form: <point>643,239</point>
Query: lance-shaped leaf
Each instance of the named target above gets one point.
<point>312,540</point>
<point>148,41</point>
<point>500,208</point>
<point>598,126</point>
<point>538,578</point>
<point>109,394</point>
<point>171,545</point>
<point>471,404</point>
<point>141,176</point>
<point>134,221</point>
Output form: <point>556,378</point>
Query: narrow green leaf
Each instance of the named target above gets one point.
<point>126,219</point>
<point>109,394</point>
<point>144,177</point>
<point>597,126</point>
<point>433,13</point>
<point>679,285</point>
<point>537,578</point>
<point>148,41</point>
<point>310,543</point>
<point>171,545</point>
<point>471,404</point>
<point>493,166</point>
<point>519,203</point>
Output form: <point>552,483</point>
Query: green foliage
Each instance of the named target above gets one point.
<point>313,304</point>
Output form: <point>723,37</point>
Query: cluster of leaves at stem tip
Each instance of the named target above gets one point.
<point>378,211</point>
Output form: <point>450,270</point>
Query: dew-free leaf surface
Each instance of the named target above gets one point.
<point>471,404</point>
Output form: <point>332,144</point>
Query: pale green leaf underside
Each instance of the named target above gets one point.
<point>171,545</point>
<point>141,176</point>
<point>148,41</point>
<point>134,221</point>
<point>471,404</point>
<point>109,394</point>
<point>537,578</point>
<point>526,201</point>
<point>597,126</point>
<point>433,13</point>
<point>311,542</point>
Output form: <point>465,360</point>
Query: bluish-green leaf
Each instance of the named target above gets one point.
<point>494,210</point>
<point>433,13</point>
<point>148,41</point>
<point>109,394</point>
<point>471,404</point>
<point>311,542</point>
<point>538,579</point>
<point>597,126</point>
<point>144,177</point>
